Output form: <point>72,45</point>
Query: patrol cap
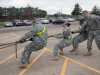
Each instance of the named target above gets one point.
<point>85,11</point>
<point>79,17</point>
<point>66,23</point>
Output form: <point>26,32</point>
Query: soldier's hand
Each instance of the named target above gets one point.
<point>22,40</point>
<point>85,31</point>
<point>53,35</point>
<point>30,39</point>
<point>72,32</point>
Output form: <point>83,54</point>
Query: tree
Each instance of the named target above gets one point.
<point>95,10</point>
<point>56,15</point>
<point>77,10</point>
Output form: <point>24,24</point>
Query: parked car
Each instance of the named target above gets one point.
<point>8,24</point>
<point>27,22</point>
<point>58,21</point>
<point>16,22</point>
<point>44,21</point>
<point>70,19</point>
<point>51,20</point>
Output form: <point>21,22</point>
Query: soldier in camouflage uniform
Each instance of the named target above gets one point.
<point>38,36</point>
<point>81,37</point>
<point>67,38</point>
<point>93,23</point>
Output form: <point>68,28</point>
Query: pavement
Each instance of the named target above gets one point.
<point>40,63</point>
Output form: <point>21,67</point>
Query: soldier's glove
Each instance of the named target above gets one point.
<point>53,35</point>
<point>22,40</point>
<point>72,32</point>
<point>30,39</point>
<point>85,31</point>
<point>58,34</point>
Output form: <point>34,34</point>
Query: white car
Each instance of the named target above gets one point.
<point>44,21</point>
<point>70,19</point>
<point>27,22</point>
<point>8,24</point>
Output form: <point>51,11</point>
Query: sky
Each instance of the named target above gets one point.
<point>52,6</point>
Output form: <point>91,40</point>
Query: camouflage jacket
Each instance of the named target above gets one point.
<point>93,22</point>
<point>66,32</point>
<point>42,38</point>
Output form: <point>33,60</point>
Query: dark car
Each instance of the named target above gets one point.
<point>16,23</point>
<point>51,20</point>
<point>58,21</point>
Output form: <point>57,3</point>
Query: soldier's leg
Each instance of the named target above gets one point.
<point>60,46</point>
<point>27,52</point>
<point>89,44</point>
<point>73,43</point>
<point>78,40</point>
<point>97,40</point>
<point>25,56</point>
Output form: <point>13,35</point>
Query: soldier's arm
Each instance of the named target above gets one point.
<point>63,34</point>
<point>80,30</point>
<point>31,33</point>
<point>97,19</point>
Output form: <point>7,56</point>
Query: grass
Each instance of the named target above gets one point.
<point>1,24</point>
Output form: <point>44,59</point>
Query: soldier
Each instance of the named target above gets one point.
<point>81,37</point>
<point>67,38</point>
<point>38,36</point>
<point>93,23</point>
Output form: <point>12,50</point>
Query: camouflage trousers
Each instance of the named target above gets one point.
<point>77,39</point>
<point>29,49</point>
<point>61,45</point>
<point>92,35</point>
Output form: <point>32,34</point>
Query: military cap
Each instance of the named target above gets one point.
<point>66,23</point>
<point>85,11</point>
<point>79,17</point>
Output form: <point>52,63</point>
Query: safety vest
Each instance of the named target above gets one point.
<point>70,36</point>
<point>80,26</point>
<point>41,32</point>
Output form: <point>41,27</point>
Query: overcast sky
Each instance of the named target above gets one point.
<point>52,6</point>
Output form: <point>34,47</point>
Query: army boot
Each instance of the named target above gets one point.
<point>23,65</point>
<point>75,52</point>
<point>72,50</point>
<point>88,53</point>
<point>61,52</point>
<point>55,58</point>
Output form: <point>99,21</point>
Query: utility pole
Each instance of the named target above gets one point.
<point>61,10</point>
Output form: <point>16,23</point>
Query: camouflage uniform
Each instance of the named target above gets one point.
<point>93,23</point>
<point>38,41</point>
<point>81,37</point>
<point>65,42</point>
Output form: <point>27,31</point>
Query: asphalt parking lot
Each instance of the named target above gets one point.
<point>40,63</point>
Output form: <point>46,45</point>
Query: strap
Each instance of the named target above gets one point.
<point>70,36</point>
<point>41,32</point>
<point>80,26</point>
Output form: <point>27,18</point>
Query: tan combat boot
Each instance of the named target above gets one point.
<point>72,50</point>
<point>75,52</point>
<point>55,58</point>
<point>23,65</point>
<point>61,52</point>
<point>88,53</point>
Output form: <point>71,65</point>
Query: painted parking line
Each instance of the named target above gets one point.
<point>79,63</point>
<point>7,36</point>
<point>11,56</point>
<point>15,35</point>
<point>4,37</point>
<point>8,40</point>
<point>64,67</point>
<point>4,34</point>
<point>24,70</point>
